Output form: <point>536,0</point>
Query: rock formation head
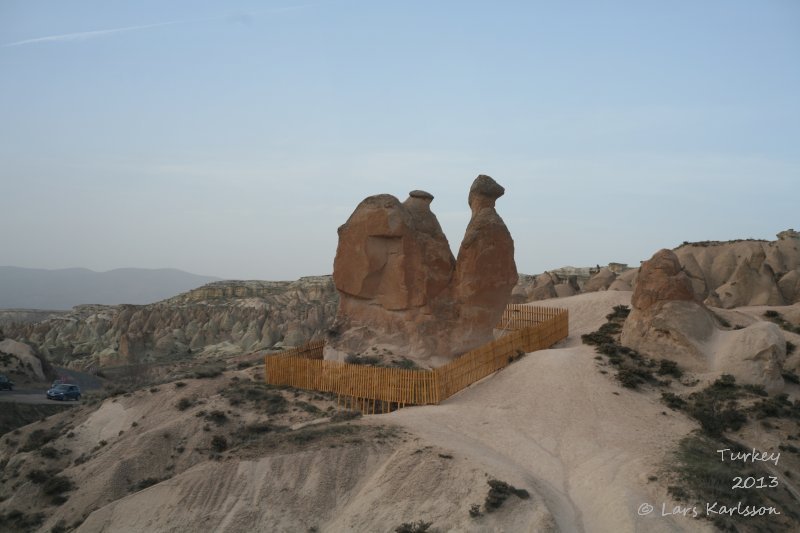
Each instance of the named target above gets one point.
<point>661,279</point>
<point>484,192</point>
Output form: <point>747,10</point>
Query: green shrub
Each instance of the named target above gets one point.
<point>362,360</point>
<point>147,482</point>
<point>218,417</point>
<point>219,443</point>
<point>38,476</point>
<point>21,521</point>
<point>790,376</point>
<point>183,404</point>
<point>57,485</point>
<point>413,527</point>
<point>39,437</point>
<point>499,491</point>
<point>673,401</point>
<point>669,368</point>
<point>48,452</point>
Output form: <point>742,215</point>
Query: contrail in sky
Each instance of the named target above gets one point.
<point>83,35</point>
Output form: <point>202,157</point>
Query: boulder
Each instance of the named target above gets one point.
<point>661,279</point>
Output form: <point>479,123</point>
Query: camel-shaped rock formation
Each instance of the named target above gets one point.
<point>404,295</point>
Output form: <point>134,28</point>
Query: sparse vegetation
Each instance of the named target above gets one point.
<point>718,407</point>
<point>778,319</point>
<point>208,371</point>
<point>38,476</point>
<point>703,477</point>
<point>261,396</point>
<point>362,359</point>
<point>499,491</point>
<point>48,452</point>
<point>632,368</point>
<point>219,443</point>
<point>38,438</point>
<point>791,377</point>
<point>344,415</point>
<point>16,520</point>
<point>217,417</point>
<point>183,404</point>
<point>57,485</point>
<point>413,527</point>
<point>146,482</point>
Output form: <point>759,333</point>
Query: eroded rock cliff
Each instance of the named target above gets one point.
<point>223,317</point>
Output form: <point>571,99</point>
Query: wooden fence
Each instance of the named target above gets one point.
<point>377,389</point>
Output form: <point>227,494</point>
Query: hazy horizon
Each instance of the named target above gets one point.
<point>232,140</point>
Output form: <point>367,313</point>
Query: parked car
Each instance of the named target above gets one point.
<point>5,383</point>
<point>64,391</point>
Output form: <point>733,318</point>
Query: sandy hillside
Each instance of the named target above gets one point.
<point>588,451</point>
<point>553,422</point>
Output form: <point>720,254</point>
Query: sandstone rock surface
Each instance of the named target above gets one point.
<point>401,289</point>
<point>746,272</point>
<point>753,355</point>
<point>485,269</point>
<point>601,281</point>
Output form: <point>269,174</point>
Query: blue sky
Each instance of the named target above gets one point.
<point>232,139</point>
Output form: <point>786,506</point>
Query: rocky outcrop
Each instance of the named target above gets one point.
<point>569,281</point>
<point>221,317</point>
<point>27,316</point>
<point>748,272</point>
<point>668,322</point>
<point>18,360</point>
<point>754,354</point>
<point>402,291</point>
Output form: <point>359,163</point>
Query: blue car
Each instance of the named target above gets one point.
<point>64,391</point>
<point>5,383</point>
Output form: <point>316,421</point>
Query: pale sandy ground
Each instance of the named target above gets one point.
<point>553,423</point>
<point>550,423</point>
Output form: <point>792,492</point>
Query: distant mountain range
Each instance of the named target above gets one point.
<point>34,288</point>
